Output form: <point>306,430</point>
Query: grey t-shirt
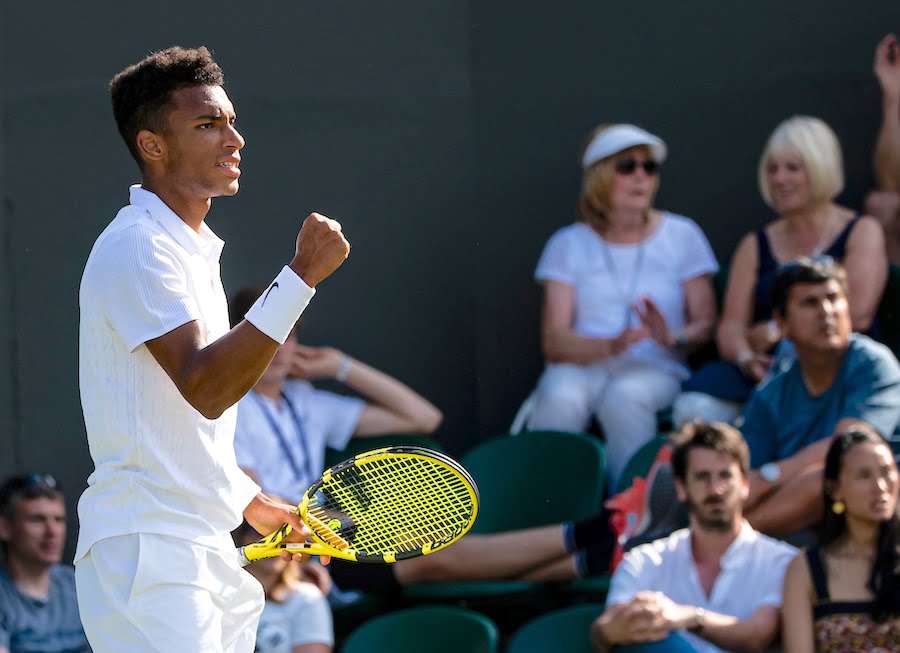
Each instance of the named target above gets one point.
<point>29,625</point>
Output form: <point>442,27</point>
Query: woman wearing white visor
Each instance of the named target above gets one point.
<point>627,291</point>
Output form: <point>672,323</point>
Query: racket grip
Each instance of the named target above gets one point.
<point>242,557</point>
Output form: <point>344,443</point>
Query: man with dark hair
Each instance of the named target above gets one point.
<point>713,586</point>
<point>38,608</point>
<point>160,373</point>
<point>837,380</point>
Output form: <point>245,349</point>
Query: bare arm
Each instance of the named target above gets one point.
<point>812,455</point>
<point>755,633</point>
<point>797,634</point>
<point>213,376</point>
<point>737,312</point>
<point>392,407</point>
<point>700,302</point>
<point>867,270</point>
<point>887,147</point>
<point>651,616</point>
<point>561,344</point>
<point>625,623</point>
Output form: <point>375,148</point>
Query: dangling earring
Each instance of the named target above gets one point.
<point>838,507</point>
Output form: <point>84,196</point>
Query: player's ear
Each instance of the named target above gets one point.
<point>151,145</point>
<point>5,530</point>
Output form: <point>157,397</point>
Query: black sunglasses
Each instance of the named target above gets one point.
<point>628,166</point>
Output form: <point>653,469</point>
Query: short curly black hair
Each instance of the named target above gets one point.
<point>142,93</point>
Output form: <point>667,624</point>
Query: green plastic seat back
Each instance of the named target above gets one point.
<point>536,478</point>
<point>639,463</point>
<point>431,629</point>
<point>359,445</point>
<point>563,630</point>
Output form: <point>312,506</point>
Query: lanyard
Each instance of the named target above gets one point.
<point>627,295</point>
<point>304,473</point>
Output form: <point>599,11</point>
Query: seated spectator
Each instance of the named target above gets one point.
<point>282,443</point>
<point>627,290</point>
<point>884,202</point>
<point>844,594</point>
<point>838,380</point>
<point>296,617</point>
<point>713,586</point>
<point>38,606</point>
<point>285,424</point>
<point>800,174</point>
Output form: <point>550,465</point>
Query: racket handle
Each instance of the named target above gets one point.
<point>242,557</point>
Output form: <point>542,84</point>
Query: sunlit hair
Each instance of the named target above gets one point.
<point>815,144</point>
<point>883,580</point>
<point>594,200</point>
<point>142,93</point>
<point>716,436</point>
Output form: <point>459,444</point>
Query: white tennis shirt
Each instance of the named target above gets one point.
<point>160,466</point>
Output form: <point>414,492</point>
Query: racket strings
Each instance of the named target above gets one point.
<point>395,504</point>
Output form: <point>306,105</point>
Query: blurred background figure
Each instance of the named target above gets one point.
<point>38,606</point>
<point>844,593</point>
<point>627,290</point>
<point>884,201</point>
<point>296,617</point>
<point>285,424</point>
<point>800,173</point>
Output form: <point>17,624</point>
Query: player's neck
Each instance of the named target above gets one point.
<point>31,579</point>
<point>192,210</point>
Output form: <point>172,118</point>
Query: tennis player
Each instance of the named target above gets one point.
<point>160,373</point>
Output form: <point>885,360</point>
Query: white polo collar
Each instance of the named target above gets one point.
<point>206,242</point>
<point>734,555</point>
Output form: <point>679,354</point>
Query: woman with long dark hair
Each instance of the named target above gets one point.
<point>844,593</point>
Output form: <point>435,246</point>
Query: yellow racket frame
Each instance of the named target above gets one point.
<point>407,500</point>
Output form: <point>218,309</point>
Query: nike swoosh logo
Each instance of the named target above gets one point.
<point>266,296</point>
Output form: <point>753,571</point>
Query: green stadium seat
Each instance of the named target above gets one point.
<point>639,464</point>
<point>359,445</point>
<point>536,478</point>
<point>435,629</point>
<point>562,630</point>
<point>531,479</point>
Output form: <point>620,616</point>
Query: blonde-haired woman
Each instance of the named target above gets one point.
<point>627,289</point>
<point>800,174</point>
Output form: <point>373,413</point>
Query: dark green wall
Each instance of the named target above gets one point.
<point>443,134</point>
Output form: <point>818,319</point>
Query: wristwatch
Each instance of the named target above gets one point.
<point>699,620</point>
<point>771,473</point>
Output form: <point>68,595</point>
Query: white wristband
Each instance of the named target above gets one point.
<point>277,310</point>
<point>344,369</point>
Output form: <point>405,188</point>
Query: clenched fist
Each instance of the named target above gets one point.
<point>321,248</point>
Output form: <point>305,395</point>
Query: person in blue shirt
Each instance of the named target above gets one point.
<point>838,380</point>
<point>38,608</point>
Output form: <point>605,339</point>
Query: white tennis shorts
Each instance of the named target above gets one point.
<point>162,594</point>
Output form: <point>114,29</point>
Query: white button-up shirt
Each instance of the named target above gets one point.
<point>751,576</point>
<point>160,466</point>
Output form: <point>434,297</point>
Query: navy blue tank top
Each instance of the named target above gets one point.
<point>768,268</point>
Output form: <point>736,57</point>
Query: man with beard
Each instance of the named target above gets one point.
<point>713,586</point>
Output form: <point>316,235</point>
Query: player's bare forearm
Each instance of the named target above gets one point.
<point>213,376</point>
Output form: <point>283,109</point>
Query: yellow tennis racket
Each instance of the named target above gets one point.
<point>381,506</point>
